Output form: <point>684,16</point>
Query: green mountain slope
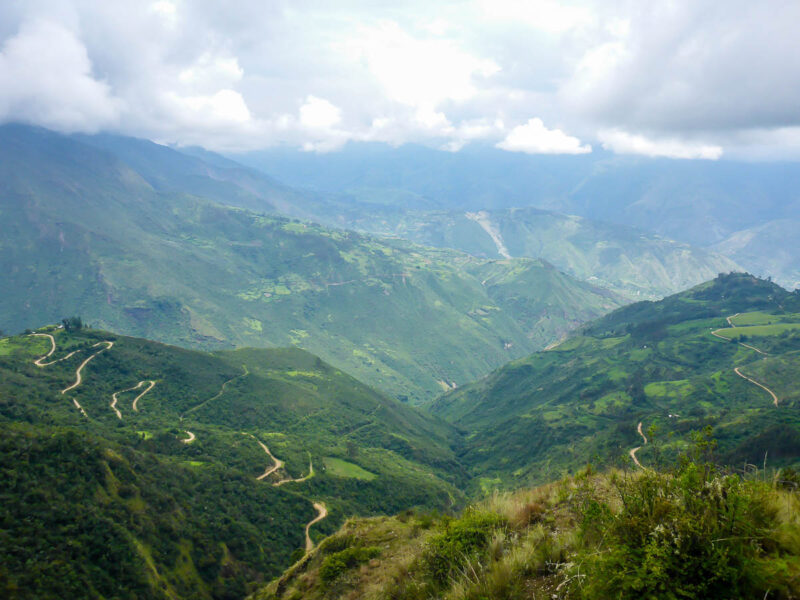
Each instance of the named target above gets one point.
<point>654,363</point>
<point>164,472</point>
<point>630,262</point>
<point>83,232</point>
<point>692,531</point>
<point>768,249</point>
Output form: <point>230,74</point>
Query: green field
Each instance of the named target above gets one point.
<point>341,468</point>
<point>735,333</point>
<point>763,318</point>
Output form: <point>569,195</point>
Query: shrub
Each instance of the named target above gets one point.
<point>337,563</point>
<point>694,534</point>
<point>463,539</point>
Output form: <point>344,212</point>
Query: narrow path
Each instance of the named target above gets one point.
<point>322,512</point>
<point>140,384</point>
<point>639,430</point>
<point>633,451</point>
<point>192,437</point>
<point>299,479</point>
<point>114,398</point>
<point>736,369</point>
<point>277,464</point>
<point>80,408</point>
<point>733,326</point>
<point>78,378</point>
<point>38,362</point>
<point>762,386</point>
<point>114,404</point>
<point>221,391</point>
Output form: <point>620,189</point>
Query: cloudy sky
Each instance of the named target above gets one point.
<point>696,79</point>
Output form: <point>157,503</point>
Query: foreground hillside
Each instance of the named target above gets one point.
<point>136,469</point>
<point>726,353</point>
<point>131,250</point>
<point>691,532</point>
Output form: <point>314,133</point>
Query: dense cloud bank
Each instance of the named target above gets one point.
<point>683,79</point>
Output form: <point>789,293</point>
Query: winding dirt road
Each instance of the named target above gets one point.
<point>192,437</point>
<point>762,386</point>
<point>635,450</point>
<point>322,512</point>
<point>736,370</point>
<point>299,479</point>
<point>277,463</point>
<point>140,384</point>
<point>114,398</point>
<point>221,391</point>
<point>733,326</point>
<point>78,378</point>
<point>38,362</point>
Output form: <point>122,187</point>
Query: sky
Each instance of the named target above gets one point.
<point>686,79</point>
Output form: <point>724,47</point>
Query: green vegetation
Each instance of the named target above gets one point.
<point>140,239</point>
<point>628,261</point>
<point>743,333</point>
<point>341,468</point>
<point>690,531</point>
<point>103,505</point>
<point>541,417</point>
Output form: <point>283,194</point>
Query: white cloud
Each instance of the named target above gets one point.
<point>534,138</point>
<point>318,113</point>
<point>46,78</point>
<point>224,107</point>
<point>622,142</point>
<point>419,72</point>
<point>545,15</point>
<point>407,71</point>
<point>212,72</point>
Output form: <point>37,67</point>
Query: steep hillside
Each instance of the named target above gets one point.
<point>628,261</point>
<point>769,249</point>
<point>131,466</point>
<point>670,366</point>
<point>690,532</point>
<point>84,232</point>
<point>698,202</point>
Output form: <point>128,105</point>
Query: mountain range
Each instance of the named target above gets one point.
<point>712,205</point>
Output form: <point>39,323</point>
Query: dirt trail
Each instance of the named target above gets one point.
<point>733,326</point>
<point>736,370</point>
<point>322,512</point>
<point>140,384</point>
<point>221,391</point>
<point>38,362</point>
<point>754,382</point>
<point>635,450</point>
<point>114,404</point>
<point>277,463</point>
<point>299,479</point>
<point>192,437</point>
<point>78,378</point>
<point>114,397</point>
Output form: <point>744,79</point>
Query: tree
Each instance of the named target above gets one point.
<point>72,324</point>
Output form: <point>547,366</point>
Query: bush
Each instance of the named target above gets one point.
<point>337,563</point>
<point>694,534</point>
<point>464,539</point>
